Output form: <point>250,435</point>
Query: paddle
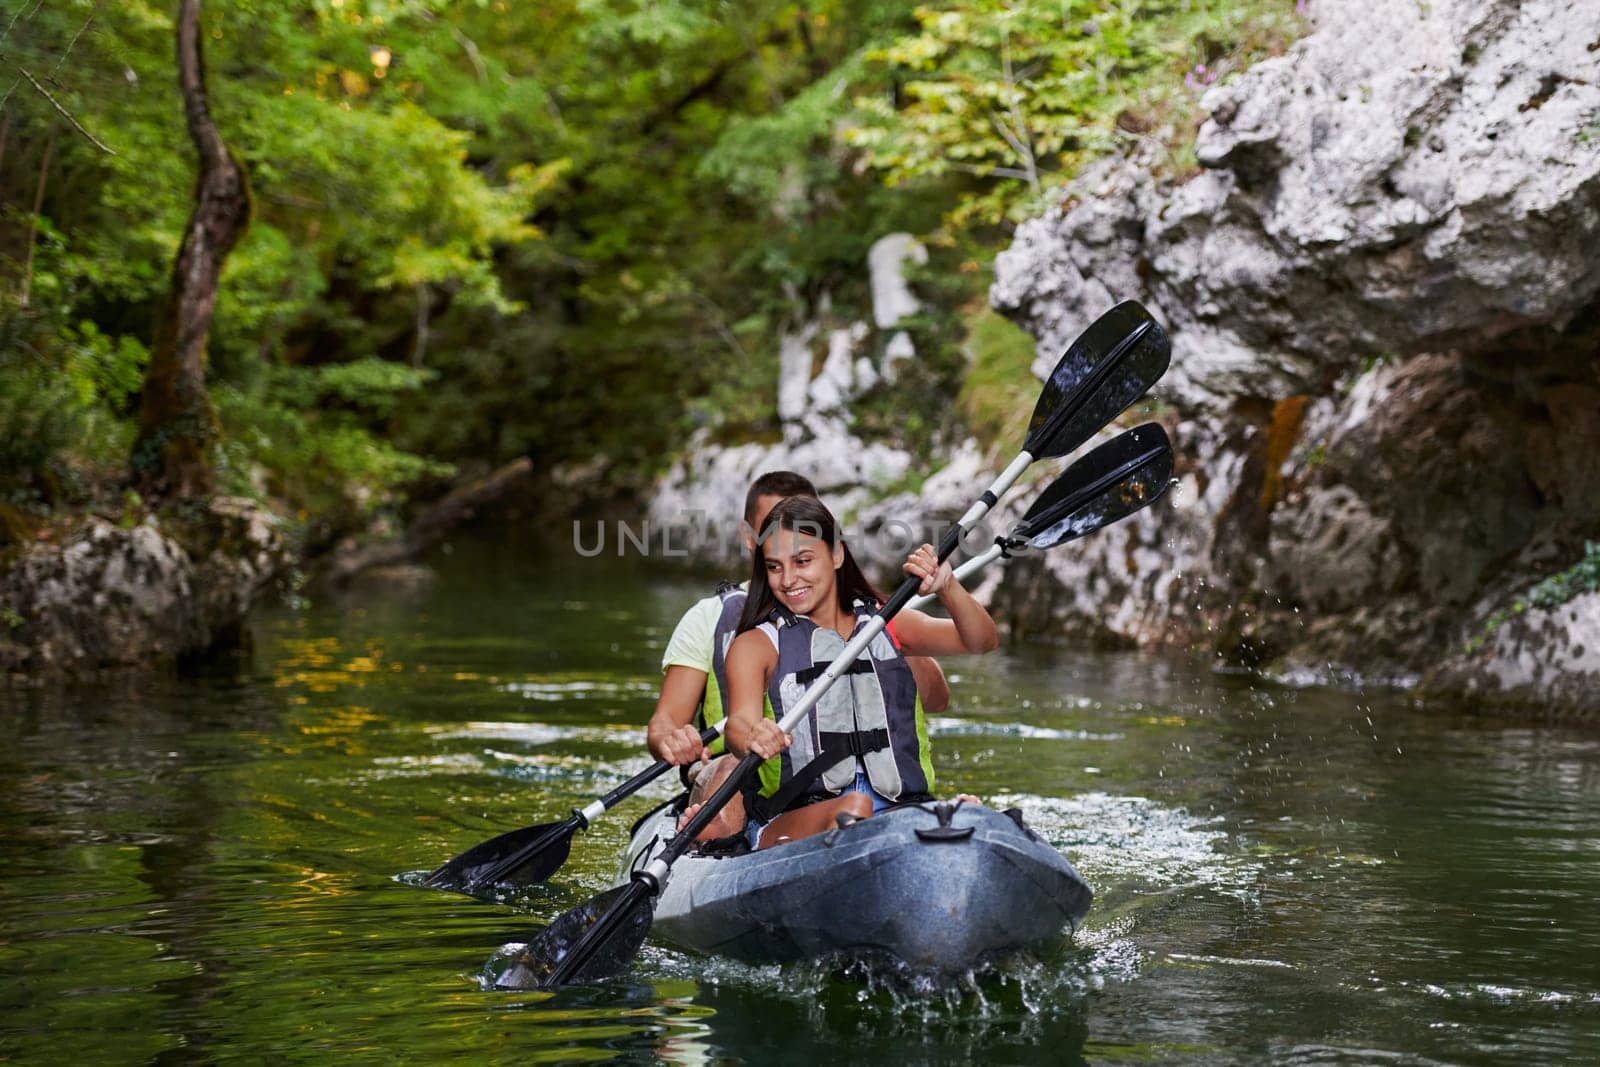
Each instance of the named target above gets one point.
<point>534,853</point>
<point>1109,366</point>
<point>597,939</point>
<point>1129,472</point>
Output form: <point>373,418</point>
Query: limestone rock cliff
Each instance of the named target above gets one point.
<point>696,508</point>
<point>1384,297</point>
<point>157,593</point>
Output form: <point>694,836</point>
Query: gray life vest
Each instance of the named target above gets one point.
<point>871,718</point>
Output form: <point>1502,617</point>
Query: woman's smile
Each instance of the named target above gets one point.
<point>799,571</point>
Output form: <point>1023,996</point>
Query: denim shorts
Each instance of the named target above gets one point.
<point>754,826</point>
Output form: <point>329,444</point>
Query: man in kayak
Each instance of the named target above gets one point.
<point>806,597</point>
<point>689,701</point>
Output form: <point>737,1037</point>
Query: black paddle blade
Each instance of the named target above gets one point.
<point>1129,472</point>
<point>616,921</point>
<point>1111,364</point>
<point>529,855</point>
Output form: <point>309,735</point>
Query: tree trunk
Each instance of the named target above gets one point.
<point>430,526</point>
<point>176,423</point>
<point>33,219</point>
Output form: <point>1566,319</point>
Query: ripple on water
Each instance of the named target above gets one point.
<point>940,726</point>
<point>580,689</point>
<point>535,733</point>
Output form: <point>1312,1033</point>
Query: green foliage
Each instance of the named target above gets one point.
<point>40,417</point>
<point>1018,94</point>
<point>61,412</point>
<point>1580,578</point>
<point>367,205</point>
<point>1373,360</point>
<point>998,391</point>
<point>325,463</point>
<point>570,230</point>
<point>770,158</point>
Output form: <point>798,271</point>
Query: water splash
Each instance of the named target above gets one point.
<point>1132,841</point>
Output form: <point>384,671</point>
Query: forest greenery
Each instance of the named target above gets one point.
<point>572,230</point>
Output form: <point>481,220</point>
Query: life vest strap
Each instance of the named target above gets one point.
<point>833,748</point>
<point>815,671</point>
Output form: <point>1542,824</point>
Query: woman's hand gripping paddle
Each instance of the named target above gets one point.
<point>1109,366</point>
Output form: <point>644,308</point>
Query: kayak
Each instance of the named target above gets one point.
<point>938,887</point>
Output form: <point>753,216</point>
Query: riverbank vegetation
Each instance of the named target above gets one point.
<point>571,231</point>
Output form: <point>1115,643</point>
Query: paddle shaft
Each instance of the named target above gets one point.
<point>991,496</point>
<point>622,792</point>
<point>963,572</point>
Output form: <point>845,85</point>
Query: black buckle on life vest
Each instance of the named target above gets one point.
<point>853,742</point>
<point>815,671</point>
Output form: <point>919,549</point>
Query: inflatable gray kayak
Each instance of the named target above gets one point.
<point>937,886</point>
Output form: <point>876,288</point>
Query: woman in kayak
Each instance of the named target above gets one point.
<point>865,746</point>
<point>694,688</point>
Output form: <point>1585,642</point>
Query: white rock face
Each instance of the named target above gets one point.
<point>899,349</point>
<point>794,372</point>
<point>701,497</point>
<point>1407,177</point>
<point>112,597</point>
<point>892,298</point>
<point>887,530</point>
<point>836,384</point>
<point>1542,658</point>
<point>1383,296</point>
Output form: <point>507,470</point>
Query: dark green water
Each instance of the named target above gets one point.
<point>208,870</point>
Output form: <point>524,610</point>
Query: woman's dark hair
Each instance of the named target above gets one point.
<point>806,515</point>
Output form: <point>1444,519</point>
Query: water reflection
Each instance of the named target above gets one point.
<point>206,869</point>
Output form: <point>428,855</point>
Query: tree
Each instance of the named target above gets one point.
<point>177,426</point>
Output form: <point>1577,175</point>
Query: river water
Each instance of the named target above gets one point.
<point>223,869</point>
